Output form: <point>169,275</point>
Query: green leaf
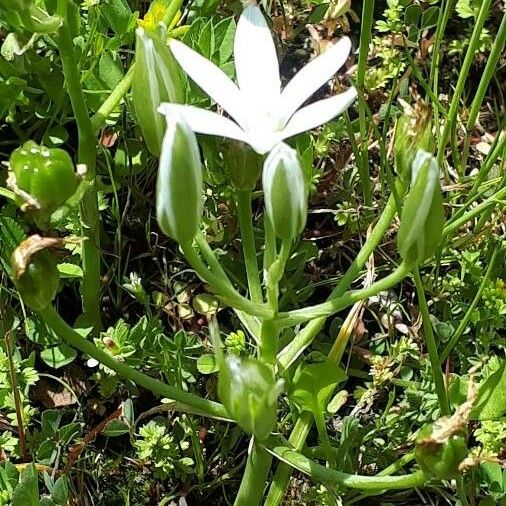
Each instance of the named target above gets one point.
<point>11,234</point>
<point>207,364</point>
<point>314,383</point>
<point>205,303</point>
<point>26,492</point>
<point>68,270</point>
<point>58,356</point>
<point>491,403</point>
<point>116,428</point>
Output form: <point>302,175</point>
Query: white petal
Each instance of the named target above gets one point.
<point>256,62</point>
<point>318,113</point>
<point>204,122</point>
<point>312,77</point>
<point>210,78</point>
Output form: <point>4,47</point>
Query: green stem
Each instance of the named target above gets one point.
<point>437,373</point>
<point>332,478</point>
<point>335,305</point>
<point>90,287</point>
<point>99,119</point>
<point>210,258</point>
<point>304,338</point>
<point>365,40</point>
<point>297,439</point>
<point>469,313</point>
<point>248,245</point>
<point>488,73</point>
<point>195,404</point>
<point>453,226</point>
<point>253,482</point>
<point>443,18</point>
<point>459,88</point>
<point>222,287</point>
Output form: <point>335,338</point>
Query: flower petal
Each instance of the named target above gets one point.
<point>210,78</point>
<point>318,113</point>
<point>204,122</point>
<point>256,62</point>
<point>312,77</point>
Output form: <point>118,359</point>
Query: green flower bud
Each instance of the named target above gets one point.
<point>422,217</point>
<point>35,273</point>
<point>249,391</point>
<point>285,192</point>
<point>179,187</point>
<point>43,179</point>
<point>156,80</point>
<point>243,165</point>
<point>412,132</point>
<point>439,450</point>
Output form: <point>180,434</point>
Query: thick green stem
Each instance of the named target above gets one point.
<point>248,245</point>
<point>437,373</point>
<point>297,439</point>
<point>335,305</point>
<point>253,482</point>
<point>332,478</point>
<point>90,287</point>
<point>222,287</point>
<point>99,119</point>
<point>194,403</point>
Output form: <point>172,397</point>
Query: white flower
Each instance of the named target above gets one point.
<point>264,115</point>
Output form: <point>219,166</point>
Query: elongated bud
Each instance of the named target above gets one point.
<point>34,271</point>
<point>43,179</point>
<point>179,187</point>
<point>412,132</point>
<point>285,192</point>
<point>422,216</point>
<point>249,391</point>
<point>243,165</point>
<point>156,80</point>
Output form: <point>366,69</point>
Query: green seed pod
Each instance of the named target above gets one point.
<point>243,165</point>
<point>35,273</point>
<point>440,454</point>
<point>422,217</point>
<point>43,180</point>
<point>156,80</point>
<point>249,391</point>
<point>179,186</point>
<point>285,192</point>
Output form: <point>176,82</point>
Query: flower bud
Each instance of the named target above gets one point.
<point>249,391</point>
<point>35,273</point>
<point>422,217</point>
<point>412,132</point>
<point>243,165</point>
<point>156,80</point>
<point>439,450</point>
<point>285,192</point>
<point>43,179</point>
<point>179,186</point>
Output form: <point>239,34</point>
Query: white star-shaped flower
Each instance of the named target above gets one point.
<point>263,114</point>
